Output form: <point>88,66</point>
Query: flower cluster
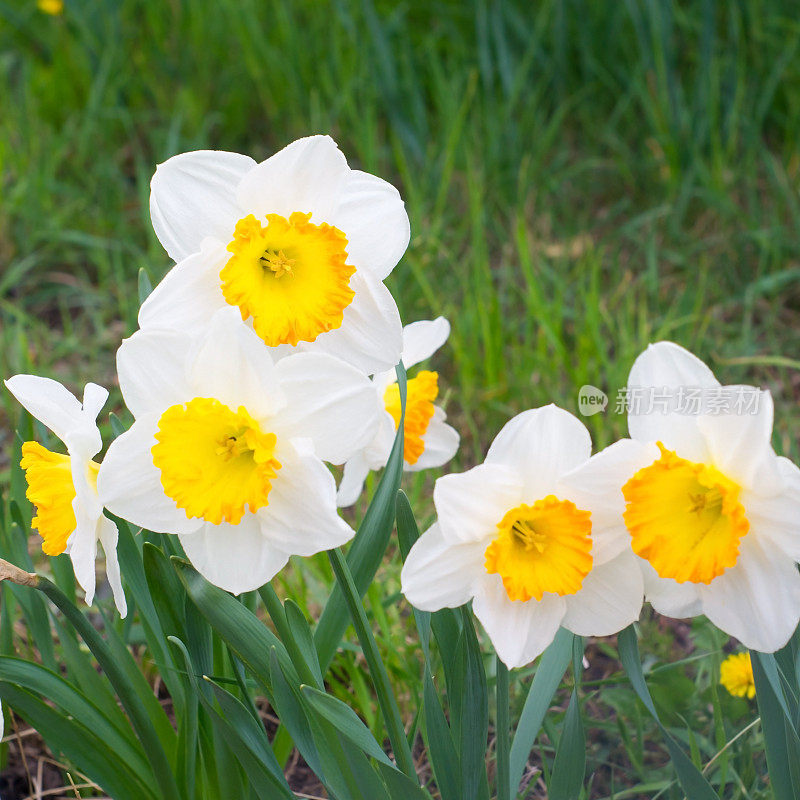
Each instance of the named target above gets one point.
<point>268,353</point>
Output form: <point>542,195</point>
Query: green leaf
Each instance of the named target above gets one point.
<point>344,719</point>
<point>779,743</point>
<point>400,786</point>
<point>72,703</point>
<point>303,641</point>
<point>545,682</point>
<point>80,745</point>
<point>377,670</point>
<point>250,734</point>
<point>473,713</point>
<point>145,712</point>
<point>243,632</point>
<point>569,766</point>
<point>441,748</point>
<point>368,547</point>
<point>691,779</point>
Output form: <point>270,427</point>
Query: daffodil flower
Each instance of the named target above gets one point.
<point>63,488</point>
<point>514,536</point>
<point>711,509</point>
<point>429,441</point>
<point>299,244</point>
<point>227,447</point>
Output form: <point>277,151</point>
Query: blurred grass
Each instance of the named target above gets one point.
<point>582,178</point>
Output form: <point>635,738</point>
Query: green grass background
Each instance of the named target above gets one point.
<point>582,178</point>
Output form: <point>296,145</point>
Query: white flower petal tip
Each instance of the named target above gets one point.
<point>422,339</point>
<point>64,488</point>
<point>325,236</point>
<point>228,454</point>
<point>713,517</point>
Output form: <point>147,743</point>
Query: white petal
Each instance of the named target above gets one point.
<point>237,558</point>
<point>86,501</point>
<point>774,517</point>
<point>441,443</point>
<point>370,336</point>
<point>152,366</point>
<point>82,549</point>
<point>308,175</point>
<point>667,596</point>
<point>108,538</point>
<point>190,292</point>
<point>740,444</point>
<point>329,402</point>
<point>519,631</point>
<point>667,366</point>
<point>94,398</point>
<point>49,402</point>
<point>758,600</point>
<point>371,213</point>
<point>541,445</point>
<point>471,504</point>
<point>233,365</point>
<point>422,339</point>
<point>129,484</point>
<point>301,517</point>
<point>193,195</point>
<point>596,486</point>
<point>438,574</point>
<point>610,599</point>
<point>353,477</point>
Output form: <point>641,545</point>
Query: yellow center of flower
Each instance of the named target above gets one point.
<point>51,490</point>
<point>546,547</point>
<point>214,461</point>
<point>684,518</point>
<point>420,394</point>
<point>290,276</point>
<point>736,675</point>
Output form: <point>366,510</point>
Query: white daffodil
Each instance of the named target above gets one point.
<point>226,449</point>
<point>300,244</point>
<point>429,441</point>
<point>63,488</point>
<point>532,552</point>
<point>711,509</point>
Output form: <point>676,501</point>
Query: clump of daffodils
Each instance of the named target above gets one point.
<point>267,354</point>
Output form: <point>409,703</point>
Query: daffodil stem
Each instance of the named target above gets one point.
<point>502,733</point>
<point>377,670</point>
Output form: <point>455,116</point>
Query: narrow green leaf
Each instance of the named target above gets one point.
<point>377,670</point>
<point>569,766</point>
<point>400,786</point>
<point>244,633</point>
<point>79,744</point>
<point>474,713</point>
<point>241,725</point>
<point>778,742</point>
<point>144,710</point>
<point>548,676</point>
<point>72,703</point>
<point>503,731</point>
<point>344,719</point>
<point>368,547</point>
<point>691,779</point>
<point>441,748</point>
<point>303,640</point>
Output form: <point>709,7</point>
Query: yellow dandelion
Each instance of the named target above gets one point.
<point>736,675</point>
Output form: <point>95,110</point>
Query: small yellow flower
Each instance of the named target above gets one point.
<point>52,7</point>
<point>736,675</point>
